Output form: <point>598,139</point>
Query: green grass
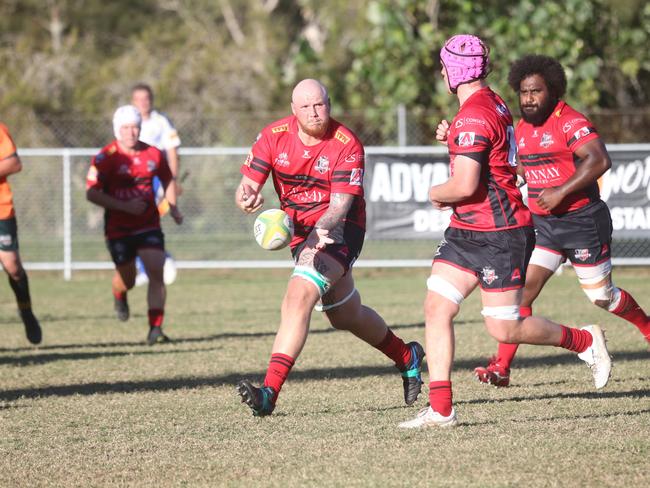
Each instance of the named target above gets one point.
<point>93,406</point>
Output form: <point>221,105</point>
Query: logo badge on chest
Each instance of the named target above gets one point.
<point>322,165</point>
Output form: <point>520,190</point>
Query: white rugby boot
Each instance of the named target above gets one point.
<point>597,357</point>
<point>428,417</point>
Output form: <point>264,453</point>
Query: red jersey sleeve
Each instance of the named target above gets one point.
<point>577,131</point>
<point>347,176</point>
<point>258,163</point>
<point>98,171</point>
<point>469,136</point>
<point>164,171</point>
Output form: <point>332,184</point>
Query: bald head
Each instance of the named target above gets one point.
<point>310,104</point>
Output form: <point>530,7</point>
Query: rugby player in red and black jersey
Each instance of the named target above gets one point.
<point>317,167</point>
<point>561,157</point>
<point>490,238</point>
<point>120,179</point>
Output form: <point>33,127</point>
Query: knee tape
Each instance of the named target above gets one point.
<point>506,312</point>
<point>546,259</point>
<point>441,286</point>
<point>319,307</point>
<point>597,284</point>
<point>320,281</point>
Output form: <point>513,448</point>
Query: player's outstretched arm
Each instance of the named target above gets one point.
<point>247,196</point>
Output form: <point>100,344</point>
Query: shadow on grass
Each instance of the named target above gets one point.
<point>171,384</point>
<point>37,359</point>
<point>527,420</point>
<point>184,340</point>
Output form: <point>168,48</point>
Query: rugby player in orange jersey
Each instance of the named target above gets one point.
<point>490,238</point>
<point>9,256</point>
<point>561,157</point>
<point>120,179</point>
<point>317,167</point>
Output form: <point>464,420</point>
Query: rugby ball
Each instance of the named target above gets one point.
<point>273,229</point>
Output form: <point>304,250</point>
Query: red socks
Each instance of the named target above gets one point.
<point>394,347</point>
<point>440,397</point>
<point>156,316</point>
<point>277,372</point>
<point>576,340</point>
<point>629,310</point>
<point>120,295</point>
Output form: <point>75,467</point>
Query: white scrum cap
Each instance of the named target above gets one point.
<point>126,114</point>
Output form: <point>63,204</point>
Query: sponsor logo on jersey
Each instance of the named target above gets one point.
<point>535,134</point>
<point>502,109</point>
<point>581,132</point>
<point>322,165</point>
<point>489,275</point>
<point>582,254</point>
<point>280,128</point>
<point>542,175</point>
<point>356,177</point>
<point>151,166</point>
<point>547,140</point>
<point>567,127</point>
<point>305,153</point>
<point>459,123</point>
<point>282,159</point>
<point>92,174</point>
<point>466,138</point>
<point>522,142</point>
<point>353,158</point>
<point>516,275</point>
<point>341,137</point>
<point>470,120</point>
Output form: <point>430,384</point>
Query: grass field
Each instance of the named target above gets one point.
<point>93,406</point>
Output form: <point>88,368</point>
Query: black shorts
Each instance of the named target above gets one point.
<point>498,259</point>
<point>584,236</point>
<point>125,249</point>
<point>346,253</point>
<point>8,235</point>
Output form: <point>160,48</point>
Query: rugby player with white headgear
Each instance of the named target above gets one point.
<point>120,180</point>
<point>490,238</point>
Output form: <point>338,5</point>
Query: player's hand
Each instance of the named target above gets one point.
<point>176,214</point>
<point>319,239</point>
<point>439,205</point>
<point>442,132</point>
<point>550,198</point>
<point>249,200</point>
<point>135,206</point>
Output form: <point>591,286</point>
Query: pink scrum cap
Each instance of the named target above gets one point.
<point>466,58</point>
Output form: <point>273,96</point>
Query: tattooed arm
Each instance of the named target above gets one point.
<point>329,228</point>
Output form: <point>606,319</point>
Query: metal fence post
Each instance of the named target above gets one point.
<point>401,125</point>
<point>67,217</point>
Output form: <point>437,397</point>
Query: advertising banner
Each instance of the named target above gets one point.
<point>398,205</point>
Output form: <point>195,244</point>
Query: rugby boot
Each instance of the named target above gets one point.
<point>260,400</point>
<point>32,327</point>
<point>156,335</point>
<point>428,417</point>
<point>493,374</point>
<point>412,373</point>
<point>597,357</point>
<point>121,309</point>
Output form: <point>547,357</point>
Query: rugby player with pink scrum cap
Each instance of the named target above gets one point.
<point>490,238</point>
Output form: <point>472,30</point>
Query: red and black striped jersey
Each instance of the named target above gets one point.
<point>482,130</point>
<point>304,177</point>
<point>547,153</point>
<point>125,177</point>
